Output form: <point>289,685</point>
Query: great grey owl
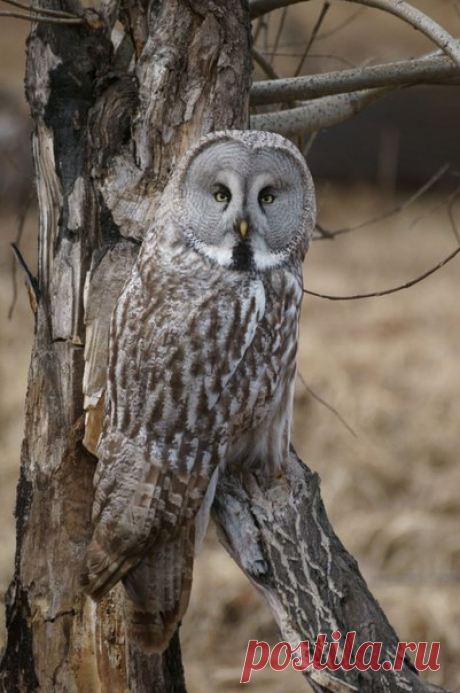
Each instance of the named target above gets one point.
<point>202,364</point>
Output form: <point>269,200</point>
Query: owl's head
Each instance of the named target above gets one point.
<point>245,200</point>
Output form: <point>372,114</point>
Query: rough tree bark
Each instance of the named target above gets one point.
<point>109,127</point>
<point>278,532</point>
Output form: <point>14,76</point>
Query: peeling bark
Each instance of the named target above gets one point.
<point>109,125</point>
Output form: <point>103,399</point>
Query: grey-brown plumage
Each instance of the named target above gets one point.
<point>202,363</point>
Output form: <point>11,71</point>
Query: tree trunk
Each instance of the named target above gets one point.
<point>109,126</point>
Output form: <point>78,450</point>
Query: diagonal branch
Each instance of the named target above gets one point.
<point>399,8</point>
<point>328,234</point>
<point>264,64</point>
<point>393,290</point>
<point>277,531</point>
<point>427,70</point>
<point>44,19</point>
<point>419,21</point>
<point>40,10</point>
<point>318,114</point>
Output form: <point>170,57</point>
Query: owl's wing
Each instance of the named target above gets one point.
<point>164,431</point>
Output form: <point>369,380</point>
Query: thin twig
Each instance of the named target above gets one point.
<point>30,280</point>
<point>17,241</point>
<point>309,144</point>
<point>385,292</point>
<point>456,6</point>
<point>41,18</point>
<point>316,28</point>
<point>346,22</point>
<point>401,9</point>
<point>327,234</point>
<point>258,29</point>
<point>420,22</point>
<point>450,212</point>
<point>319,399</point>
<point>265,64</point>
<point>40,10</point>
<point>278,34</point>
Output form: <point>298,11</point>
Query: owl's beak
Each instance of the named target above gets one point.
<point>243,228</point>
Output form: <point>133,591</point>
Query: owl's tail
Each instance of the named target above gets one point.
<point>158,590</point>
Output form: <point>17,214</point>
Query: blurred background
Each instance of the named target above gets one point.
<point>388,366</point>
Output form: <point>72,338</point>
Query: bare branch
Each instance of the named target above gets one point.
<point>318,114</point>
<point>399,8</point>
<point>346,22</point>
<point>426,70</point>
<point>322,401</point>
<point>41,18</point>
<point>314,33</point>
<point>419,21</point>
<point>450,211</point>
<point>385,292</point>
<point>278,34</point>
<point>265,64</point>
<point>40,10</point>
<point>327,234</point>
<point>30,280</point>
<point>17,241</point>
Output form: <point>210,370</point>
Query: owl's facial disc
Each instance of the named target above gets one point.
<point>230,187</point>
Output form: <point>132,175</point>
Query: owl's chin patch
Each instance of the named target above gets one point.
<point>243,256</point>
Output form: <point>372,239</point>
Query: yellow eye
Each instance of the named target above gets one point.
<point>221,196</point>
<point>267,198</point>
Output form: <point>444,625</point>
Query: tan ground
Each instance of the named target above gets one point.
<point>389,365</point>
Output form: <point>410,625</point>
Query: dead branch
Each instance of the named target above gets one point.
<point>401,9</point>
<point>327,234</point>
<point>385,292</point>
<point>277,531</point>
<point>427,70</point>
<point>278,34</point>
<point>264,64</point>
<point>322,401</point>
<point>318,114</point>
<point>40,10</point>
<point>316,27</point>
<point>44,19</point>
<point>420,22</point>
